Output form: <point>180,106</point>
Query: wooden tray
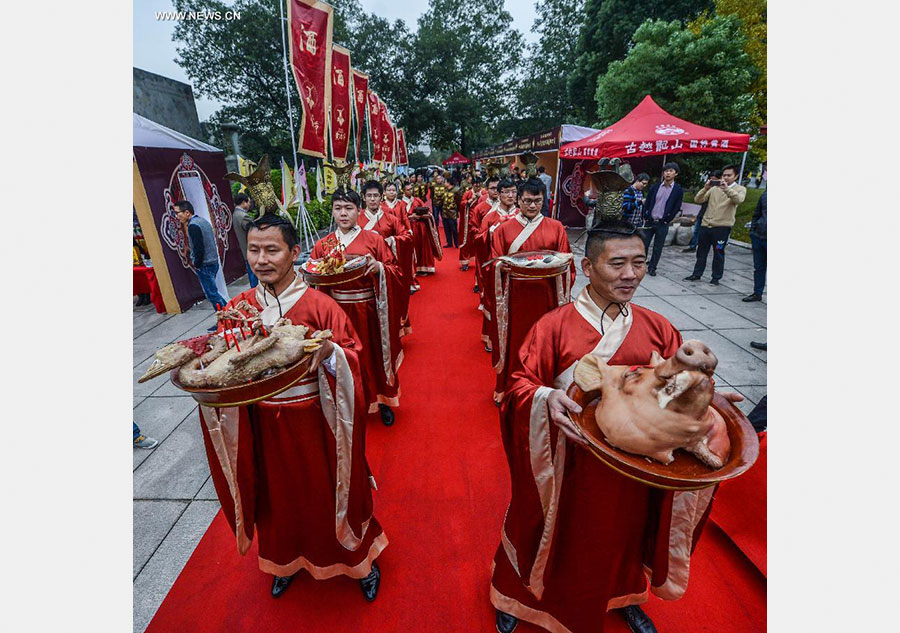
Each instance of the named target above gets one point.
<point>517,267</point>
<point>249,393</point>
<point>353,269</point>
<point>686,472</point>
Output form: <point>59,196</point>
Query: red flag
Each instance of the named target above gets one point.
<point>340,102</point>
<point>402,158</point>
<point>387,134</point>
<point>375,124</point>
<point>360,95</point>
<point>311,34</point>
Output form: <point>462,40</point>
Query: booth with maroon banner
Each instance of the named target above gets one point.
<point>169,166</point>
<point>455,159</point>
<point>647,131</point>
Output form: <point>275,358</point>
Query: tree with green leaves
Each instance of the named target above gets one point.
<point>606,36</point>
<point>543,101</point>
<point>465,55</point>
<point>702,77</point>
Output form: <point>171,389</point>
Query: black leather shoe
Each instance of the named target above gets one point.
<point>762,346</point>
<point>280,585</point>
<point>637,620</point>
<point>751,298</point>
<point>689,249</point>
<point>691,278</point>
<point>387,415</point>
<point>506,623</point>
<point>713,282</point>
<point>370,583</point>
<point>652,273</point>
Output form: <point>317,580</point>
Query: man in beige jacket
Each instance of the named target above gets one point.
<point>722,198</point>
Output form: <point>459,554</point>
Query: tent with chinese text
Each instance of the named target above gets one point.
<point>646,131</point>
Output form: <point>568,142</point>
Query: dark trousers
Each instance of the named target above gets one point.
<point>655,233</point>
<point>251,277</point>
<point>759,264</point>
<point>451,232</point>
<point>436,212</point>
<point>207,276</point>
<point>715,237</point>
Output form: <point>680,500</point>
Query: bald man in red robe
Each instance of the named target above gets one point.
<point>426,240</point>
<point>579,539</point>
<point>372,302</point>
<point>293,468</point>
<point>398,237</point>
<point>520,302</point>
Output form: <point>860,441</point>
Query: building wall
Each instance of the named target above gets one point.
<point>166,101</point>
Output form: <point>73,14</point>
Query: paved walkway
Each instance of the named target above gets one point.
<point>174,499</point>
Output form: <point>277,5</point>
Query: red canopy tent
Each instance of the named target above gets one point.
<point>456,159</point>
<point>648,130</point>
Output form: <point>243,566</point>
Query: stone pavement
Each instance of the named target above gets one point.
<point>174,499</point>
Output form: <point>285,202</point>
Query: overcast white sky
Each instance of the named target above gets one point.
<point>154,49</point>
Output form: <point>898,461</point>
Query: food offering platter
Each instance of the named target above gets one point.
<point>536,264</point>
<point>685,472</point>
<point>354,268</point>
<point>249,393</point>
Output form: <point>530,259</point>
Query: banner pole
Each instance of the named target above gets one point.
<point>287,84</point>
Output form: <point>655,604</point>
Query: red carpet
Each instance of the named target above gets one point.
<point>443,489</point>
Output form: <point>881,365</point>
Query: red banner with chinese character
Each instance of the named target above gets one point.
<point>388,137</point>
<point>340,102</point>
<point>360,95</point>
<point>402,158</point>
<point>311,33</point>
<point>375,117</point>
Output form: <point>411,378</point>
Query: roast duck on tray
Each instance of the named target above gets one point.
<point>246,351</point>
<point>658,410</point>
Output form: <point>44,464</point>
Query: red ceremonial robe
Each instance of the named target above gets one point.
<point>425,239</point>
<point>399,240</point>
<point>475,240</point>
<point>398,209</point>
<point>492,219</point>
<point>520,302</point>
<point>294,466</point>
<point>577,535</point>
<point>374,310</point>
<point>466,238</point>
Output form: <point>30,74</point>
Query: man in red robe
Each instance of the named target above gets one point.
<point>293,467</point>
<point>502,211</point>
<point>519,302</point>
<point>394,205</point>
<point>426,241</point>
<point>489,197</point>
<point>578,538</point>
<point>372,303</point>
<point>410,202</point>
<point>469,199</point>
<point>398,238</point>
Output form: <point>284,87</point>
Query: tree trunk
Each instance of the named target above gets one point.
<point>462,143</point>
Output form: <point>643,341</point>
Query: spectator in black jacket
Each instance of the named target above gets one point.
<point>662,204</point>
<point>758,241</point>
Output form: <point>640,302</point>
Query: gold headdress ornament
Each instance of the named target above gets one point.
<point>494,167</point>
<point>530,159</point>
<point>611,179</point>
<point>259,183</point>
<point>342,172</point>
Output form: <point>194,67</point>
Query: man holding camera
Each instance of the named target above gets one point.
<point>722,198</point>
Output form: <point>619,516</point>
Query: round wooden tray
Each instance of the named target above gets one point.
<point>686,472</point>
<point>353,269</point>
<point>533,272</point>
<point>249,393</point>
